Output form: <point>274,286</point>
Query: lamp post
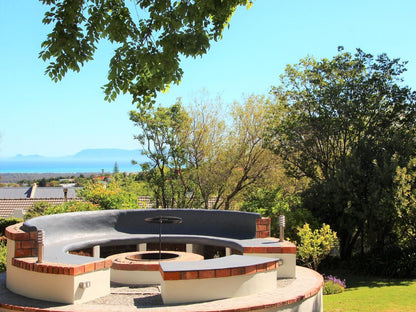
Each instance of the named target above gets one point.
<point>282,224</point>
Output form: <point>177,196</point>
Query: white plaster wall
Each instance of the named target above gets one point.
<point>58,287</point>
<point>136,277</point>
<point>51,287</point>
<point>287,269</point>
<point>312,304</point>
<point>100,285</point>
<point>196,290</point>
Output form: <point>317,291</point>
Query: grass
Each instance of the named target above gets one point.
<point>373,294</point>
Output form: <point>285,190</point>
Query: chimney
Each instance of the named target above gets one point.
<point>66,194</point>
<point>33,191</point>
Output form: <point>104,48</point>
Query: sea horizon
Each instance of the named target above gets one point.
<point>66,166</point>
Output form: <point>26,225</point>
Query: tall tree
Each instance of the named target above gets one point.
<point>151,36</point>
<point>346,123</point>
<point>162,139</point>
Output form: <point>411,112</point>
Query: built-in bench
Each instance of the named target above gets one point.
<point>241,232</point>
<point>232,276</point>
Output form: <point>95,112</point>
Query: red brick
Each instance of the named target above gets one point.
<point>238,271</point>
<point>99,265</point>
<point>261,267</point>
<point>89,267</point>
<point>33,235</point>
<point>171,276</point>
<point>261,228</point>
<point>29,244</point>
<point>189,275</point>
<point>251,269</point>
<point>207,274</point>
<point>20,253</point>
<point>79,270</point>
<point>271,265</point>
<point>222,273</point>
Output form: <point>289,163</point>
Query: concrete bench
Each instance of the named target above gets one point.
<point>232,276</point>
<point>239,231</point>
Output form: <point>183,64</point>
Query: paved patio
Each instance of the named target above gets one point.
<point>146,299</point>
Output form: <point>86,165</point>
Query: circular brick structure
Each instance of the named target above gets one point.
<point>137,261</point>
<point>134,268</point>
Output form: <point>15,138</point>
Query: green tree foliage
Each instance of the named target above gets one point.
<point>346,123</point>
<point>5,222</point>
<point>108,196</point>
<point>116,170</point>
<point>225,150</point>
<point>315,245</point>
<point>272,202</point>
<point>38,209</point>
<point>162,138</point>
<point>195,157</point>
<point>405,203</point>
<point>3,256</point>
<point>45,208</point>
<point>150,37</point>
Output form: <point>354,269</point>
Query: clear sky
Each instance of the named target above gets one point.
<point>38,116</point>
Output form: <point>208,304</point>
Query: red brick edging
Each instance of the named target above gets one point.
<point>215,273</point>
<point>30,264</point>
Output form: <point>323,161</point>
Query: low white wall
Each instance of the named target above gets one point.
<point>287,269</point>
<point>136,277</point>
<point>197,290</point>
<point>312,304</point>
<point>58,287</point>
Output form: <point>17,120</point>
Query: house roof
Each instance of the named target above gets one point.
<point>55,192</point>
<point>14,192</point>
<point>37,192</point>
<point>9,206</point>
<point>17,200</point>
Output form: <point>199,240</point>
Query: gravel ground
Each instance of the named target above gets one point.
<point>133,296</point>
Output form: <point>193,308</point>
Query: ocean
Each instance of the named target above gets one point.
<point>65,166</point>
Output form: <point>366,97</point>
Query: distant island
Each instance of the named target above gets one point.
<point>86,154</point>
<point>88,160</point>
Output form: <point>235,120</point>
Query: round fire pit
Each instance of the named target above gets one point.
<point>152,256</point>
<point>142,268</point>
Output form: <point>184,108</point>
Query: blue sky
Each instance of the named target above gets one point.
<point>38,116</point>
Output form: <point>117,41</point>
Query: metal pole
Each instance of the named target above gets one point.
<point>160,238</point>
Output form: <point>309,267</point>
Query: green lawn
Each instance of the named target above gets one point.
<point>375,295</point>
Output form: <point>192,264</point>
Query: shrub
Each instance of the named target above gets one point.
<point>333,285</point>
<point>71,206</point>
<point>38,209</point>
<point>3,256</point>
<point>315,246</point>
<point>5,222</point>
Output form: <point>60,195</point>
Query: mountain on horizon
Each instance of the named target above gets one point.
<point>114,154</point>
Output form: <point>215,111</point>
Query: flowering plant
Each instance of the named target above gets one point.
<point>333,285</point>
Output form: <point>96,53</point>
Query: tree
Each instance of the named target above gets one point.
<point>405,203</point>
<point>150,37</point>
<point>346,123</point>
<point>226,151</point>
<point>162,138</point>
<point>116,170</point>
<point>195,157</point>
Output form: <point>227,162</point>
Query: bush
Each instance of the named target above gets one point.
<point>37,210</point>
<point>333,285</point>
<point>315,245</point>
<point>71,206</point>
<point>3,256</point>
<point>5,222</point>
